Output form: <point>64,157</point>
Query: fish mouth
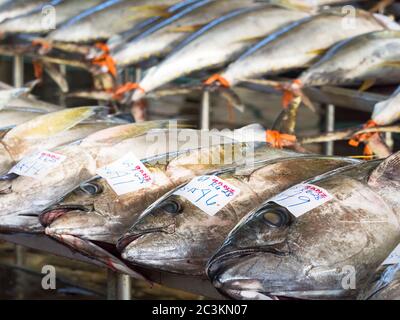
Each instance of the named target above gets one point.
<point>223,259</point>
<point>131,237</point>
<point>47,217</point>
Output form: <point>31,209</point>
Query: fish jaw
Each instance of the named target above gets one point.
<point>268,275</point>
<point>86,225</point>
<point>164,252</point>
<point>20,223</point>
<point>97,253</point>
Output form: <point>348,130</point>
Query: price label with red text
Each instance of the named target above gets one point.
<point>302,198</point>
<point>38,165</point>
<point>127,174</point>
<point>208,193</point>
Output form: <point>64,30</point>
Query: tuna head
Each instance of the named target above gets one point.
<point>174,235</point>
<point>328,251</point>
<point>22,196</point>
<point>86,212</point>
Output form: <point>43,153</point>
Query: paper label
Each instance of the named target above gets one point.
<point>302,198</point>
<point>38,164</point>
<point>127,174</point>
<point>208,193</point>
<point>394,257</point>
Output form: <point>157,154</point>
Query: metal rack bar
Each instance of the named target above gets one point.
<point>330,127</point>
<point>205,111</point>
<point>111,285</point>
<point>18,81</point>
<point>18,71</point>
<point>62,100</point>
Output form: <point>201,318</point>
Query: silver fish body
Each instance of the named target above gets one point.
<point>35,23</point>
<point>218,43</point>
<point>22,195</point>
<point>373,56</point>
<point>328,252</point>
<point>15,8</point>
<point>291,48</point>
<point>108,19</point>
<point>113,215</point>
<point>162,41</point>
<point>49,131</point>
<point>176,236</point>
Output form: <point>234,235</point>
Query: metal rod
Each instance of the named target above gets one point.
<point>61,99</point>
<point>18,80</point>
<point>18,71</point>
<point>123,287</point>
<point>138,74</point>
<point>330,126</point>
<point>205,111</point>
<point>389,140</point>
<point>111,285</point>
<point>119,285</point>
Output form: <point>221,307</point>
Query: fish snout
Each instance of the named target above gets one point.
<point>136,233</point>
<point>48,216</point>
<point>77,223</point>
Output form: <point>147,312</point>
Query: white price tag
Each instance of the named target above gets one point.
<point>208,193</point>
<point>394,257</point>
<point>302,198</point>
<point>37,165</point>
<point>127,174</point>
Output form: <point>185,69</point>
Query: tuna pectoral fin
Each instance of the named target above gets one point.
<point>122,132</point>
<point>148,11</point>
<point>389,169</point>
<point>367,84</point>
<point>318,52</point>
<point>52,123</point>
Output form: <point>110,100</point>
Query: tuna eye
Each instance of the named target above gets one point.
<point>91,188</point>
<point>276,217</point>
<point>171,206</point>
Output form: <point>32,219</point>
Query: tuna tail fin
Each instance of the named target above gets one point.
<point>291,91</point>
<point>389,169</point>
<point>231,98</point>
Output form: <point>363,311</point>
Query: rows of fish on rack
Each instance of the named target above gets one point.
<point>241,39</point>
<point>259,222</point>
